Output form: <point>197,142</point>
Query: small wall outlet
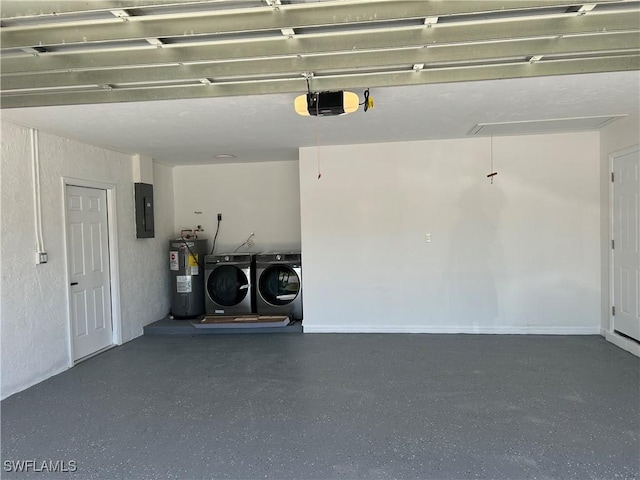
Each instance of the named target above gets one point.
<point>219,217</point>
<point>427,238</point>
<point>41,257</point>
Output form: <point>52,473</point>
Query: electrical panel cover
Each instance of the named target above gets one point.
<point>144,210</point>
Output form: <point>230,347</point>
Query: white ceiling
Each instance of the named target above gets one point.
<point>265,127</point>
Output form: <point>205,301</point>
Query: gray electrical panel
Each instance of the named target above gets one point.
<point>144,210</point>
<point>186,265</point>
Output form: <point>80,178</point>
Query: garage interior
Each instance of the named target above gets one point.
<point>461,239</point>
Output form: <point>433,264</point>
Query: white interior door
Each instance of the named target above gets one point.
<point>626,236</point>
<point>89,276</point>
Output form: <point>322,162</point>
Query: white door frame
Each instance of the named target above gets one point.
<point>610,334</point>
<point>114,271</point>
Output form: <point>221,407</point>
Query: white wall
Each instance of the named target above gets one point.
<point>521,255</point>
<point>160,285</point>
<point>263,198</point>
<point>618,136</point>
<point>34,299</point>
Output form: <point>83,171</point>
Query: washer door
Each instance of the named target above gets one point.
<point>227,285</point>
<point>279,285</point>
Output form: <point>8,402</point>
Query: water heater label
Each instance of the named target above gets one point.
<point>183,284</point>
<point>173,261</point>
<point>193,263</point>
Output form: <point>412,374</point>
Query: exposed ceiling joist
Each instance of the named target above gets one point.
<point>252,19</point>
<point>317,63</point>
<point>333,82</point>
<point>236,47</point>
<point>39,8</point>
<point>310,44</point>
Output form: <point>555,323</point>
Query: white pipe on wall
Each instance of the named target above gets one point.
<point>37,204</point>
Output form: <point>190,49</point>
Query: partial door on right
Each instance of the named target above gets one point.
<point>626,248</point>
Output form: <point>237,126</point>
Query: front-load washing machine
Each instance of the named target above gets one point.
<point>279,284</point>
<point>228,284</point>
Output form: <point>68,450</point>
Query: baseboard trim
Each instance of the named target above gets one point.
<point>310,328</point>
<point>622,342</point>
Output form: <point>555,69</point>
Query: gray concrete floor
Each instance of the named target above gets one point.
<point>304,406</point>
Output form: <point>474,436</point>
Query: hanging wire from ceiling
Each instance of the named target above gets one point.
<point>318,143</point>
<point>493,173</point>
<point>317,126</point>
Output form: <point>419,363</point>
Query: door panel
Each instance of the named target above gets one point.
<point>75,249</point>
<point>98,299</point>
<point>626,234</point>
<point>96,248</point>
<point>80,312</point>
<point>89,276</point>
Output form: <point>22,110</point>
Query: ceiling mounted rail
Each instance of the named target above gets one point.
<point>336,82</point>
<point>295,64</point>
<point>15,9</point>
<point>122,51</point>
<point>308,44</point>
<point>254,19</point>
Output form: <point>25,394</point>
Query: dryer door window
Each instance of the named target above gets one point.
<point>279,285</point>
<point>227,285</point>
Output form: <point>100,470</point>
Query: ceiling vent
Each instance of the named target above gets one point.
<point>553,125</point>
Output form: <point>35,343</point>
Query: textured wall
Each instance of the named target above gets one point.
<point>159,284</point>
<point>521,255</point>
<point>34,315</point>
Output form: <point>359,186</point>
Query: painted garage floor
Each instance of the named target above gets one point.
<point>305,406</point>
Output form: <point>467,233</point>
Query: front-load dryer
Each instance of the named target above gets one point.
<point>278,284</point>
<point>228,284</point>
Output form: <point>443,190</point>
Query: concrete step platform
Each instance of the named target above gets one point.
<point>168,326</point>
